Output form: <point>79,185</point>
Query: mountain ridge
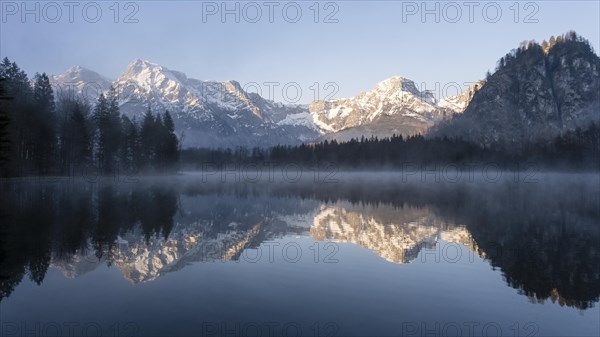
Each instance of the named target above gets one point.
<point>537,92</point>
<point>223,114</point>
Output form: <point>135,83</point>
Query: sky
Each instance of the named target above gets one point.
<point>292,51</point>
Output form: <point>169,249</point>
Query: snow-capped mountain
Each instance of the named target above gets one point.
<point>223,114</point>
<point>81,81</point>
<point>143,260</point>
<point>395,96</point>
<point>206,113</point>
<point>397,239</point>
<point>460,102</point>
<point>393,106</point>
<point>211,113</point>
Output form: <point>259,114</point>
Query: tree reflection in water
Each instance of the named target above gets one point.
<point>542,236</point>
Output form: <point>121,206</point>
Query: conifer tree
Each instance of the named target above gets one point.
<point>170,141</point>
<point>4,126</point>
<point>147,139</point>
<point>101,123</point>
<point>44,124</point>
<point>113,131</point>
<point>129,145</point>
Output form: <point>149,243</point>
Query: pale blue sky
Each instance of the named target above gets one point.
<point>371,41</point>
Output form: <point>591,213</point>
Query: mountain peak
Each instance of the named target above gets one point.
<point>80,80</point>
<point>139,65</point>
<point>75,69</point>
<point>561,98</point>
<point>397,80</point>
<point>80,71</point>
<point>81,76</point>
<point>397,83</point>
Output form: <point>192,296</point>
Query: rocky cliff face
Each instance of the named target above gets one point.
<point>393,106</point>
<point>222,114</point>
<point>210,113</point>
<point>537,92</point>
<point>458,103</point>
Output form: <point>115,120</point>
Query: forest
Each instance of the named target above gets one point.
<point>41,134</point>
<point>573,150</point>
<point>44,134</point>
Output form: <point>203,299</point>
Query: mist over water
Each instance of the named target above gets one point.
<point>315,189</point>
<point>373,252</point>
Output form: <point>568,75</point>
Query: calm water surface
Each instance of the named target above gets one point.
<point>366,255</point>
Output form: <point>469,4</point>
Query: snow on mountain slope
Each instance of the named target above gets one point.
<point>145,84</point>
<point>80,80</point>
<point>211,113</point>
<point>395,105</point>
<point>460,102</point>
<point>395,239</point>
<point>223,114</point>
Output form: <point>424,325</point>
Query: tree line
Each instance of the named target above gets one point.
<point>41,134</point>
<point>567,40</point>
<point>577,149</point>
<point>48,221</point>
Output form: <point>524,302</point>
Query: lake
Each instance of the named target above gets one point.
<point>359,254</point>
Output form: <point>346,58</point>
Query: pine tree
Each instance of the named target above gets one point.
<point>4,126</point>
<point>171,143</point>
<point>108,123</point>
<point>81,140</point>
<point>75,132</point>
<point>158,137</point>
<point>113,131</point>
<point>545,45</point>
<point>19,110</point>
<point>101,121</point>
<point>147,139</point>
<point>129,145</point>
<point>17,82</point>
<point>44,124</point>
<point>37,136</point>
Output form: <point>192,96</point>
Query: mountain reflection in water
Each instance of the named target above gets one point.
<point>543,236</point>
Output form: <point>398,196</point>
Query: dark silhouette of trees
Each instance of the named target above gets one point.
<point>39,136</point>
<point>47,136</point>
<point>160,146</point>
<point>130,145</point>
<point>545,254</point>
<point>108,126</point>
<point>19,111</point>
<point>577,149</point>
<point>82,142</point>
<point>147,132</point>
<point>44,124</point>
<point>45,221</point>
<point>75,133</point>
<point>170,146</point>
<point>4,126</point>
<point>567,40</point>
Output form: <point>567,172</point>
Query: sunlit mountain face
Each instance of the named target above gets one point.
<point>300,168</point>
<point>150,229</point>
<point>225,114</point>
